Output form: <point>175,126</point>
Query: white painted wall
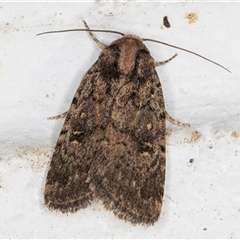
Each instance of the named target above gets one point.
<point>39,75</point>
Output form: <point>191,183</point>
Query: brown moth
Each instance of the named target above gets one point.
<point>112,146</point>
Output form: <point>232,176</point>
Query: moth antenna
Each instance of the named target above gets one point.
<point>81,30</point>
<point>144,39</point>
<point>183,49</point>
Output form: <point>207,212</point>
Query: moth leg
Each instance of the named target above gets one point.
<point>164,62</point>
<point>63,115</point>
<point>101,45</point>
<point>166,113</point>
<point>175,121</point>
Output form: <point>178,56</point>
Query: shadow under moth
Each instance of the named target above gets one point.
<point>112,144</point>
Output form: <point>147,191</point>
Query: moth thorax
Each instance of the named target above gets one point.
<point>129,46</point>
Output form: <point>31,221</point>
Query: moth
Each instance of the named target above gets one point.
<point>112,146</point>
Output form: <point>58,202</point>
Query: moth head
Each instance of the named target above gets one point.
<point>130,42</point>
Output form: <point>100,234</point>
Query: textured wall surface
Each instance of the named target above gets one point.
<point>39,76</point>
